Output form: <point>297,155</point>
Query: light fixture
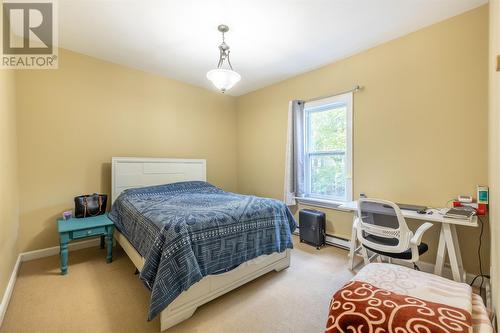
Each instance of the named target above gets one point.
<point>223,79</point>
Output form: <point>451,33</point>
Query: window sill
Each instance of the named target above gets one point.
<point>331,204</point>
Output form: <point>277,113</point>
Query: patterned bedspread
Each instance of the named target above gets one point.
<point>392,298</point>
<point>189,230</point>
<point>362,307</point>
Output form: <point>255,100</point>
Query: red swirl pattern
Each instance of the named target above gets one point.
<point>360,307</point>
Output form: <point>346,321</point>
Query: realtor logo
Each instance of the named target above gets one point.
<point>29,35</point>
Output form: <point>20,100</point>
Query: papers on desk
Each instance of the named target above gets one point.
<point>460,213</point>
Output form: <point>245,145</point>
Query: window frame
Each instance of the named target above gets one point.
<point>318,106</point>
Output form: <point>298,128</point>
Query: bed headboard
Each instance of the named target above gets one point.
<point>132,172</point>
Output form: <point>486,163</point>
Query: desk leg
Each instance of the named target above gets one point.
<point>457,250</point>
<point>352,249</point>
<point>63,244</point>
<point>450,246</point>
<point>109,244</point>
<point>441,253</point>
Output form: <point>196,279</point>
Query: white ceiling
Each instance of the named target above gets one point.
<point>270,40</point>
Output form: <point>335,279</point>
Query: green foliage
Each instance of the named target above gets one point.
<point>328,175</point>
<point>328,135</point>
<point>328,130</point>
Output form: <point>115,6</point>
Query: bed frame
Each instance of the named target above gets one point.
<point>130,172</point>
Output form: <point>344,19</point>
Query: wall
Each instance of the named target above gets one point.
<point>420,124</point>
<point>423,93</point>
<point>494,148</point>
<point>72,120</point>
<point>9,199</point>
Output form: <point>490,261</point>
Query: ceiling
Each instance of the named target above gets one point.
<point>270,40</point>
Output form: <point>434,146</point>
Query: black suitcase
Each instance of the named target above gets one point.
<point>312,227</point>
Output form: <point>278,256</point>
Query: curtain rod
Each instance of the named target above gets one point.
<point>355,89</point>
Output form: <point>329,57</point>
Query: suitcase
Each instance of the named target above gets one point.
<point>312,227</point>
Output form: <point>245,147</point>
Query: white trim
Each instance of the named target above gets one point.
<point>321,203</point>
<point>338,242</point>
<point>344,99</point>
<point>52,251</point>
<point>349,153</point>
<point>33,255</point>
<point>8,291</point>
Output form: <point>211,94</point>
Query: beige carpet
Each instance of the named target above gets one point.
<point>100,297</point>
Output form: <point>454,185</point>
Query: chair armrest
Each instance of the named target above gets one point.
<point>417,237</point>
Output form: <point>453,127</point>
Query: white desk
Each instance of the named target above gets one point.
<point>448,240</point>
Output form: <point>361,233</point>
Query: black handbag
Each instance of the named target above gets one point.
<point>90,205</point>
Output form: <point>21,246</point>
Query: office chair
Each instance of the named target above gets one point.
<point>382,229</point>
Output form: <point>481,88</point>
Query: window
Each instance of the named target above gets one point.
<point>328,148</point>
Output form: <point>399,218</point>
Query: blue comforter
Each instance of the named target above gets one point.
<point>189,230</point>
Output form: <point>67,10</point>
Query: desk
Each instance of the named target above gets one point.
<point>448,240</point>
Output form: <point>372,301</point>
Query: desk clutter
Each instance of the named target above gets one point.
<point>448,240</point>
<point>460,213</point>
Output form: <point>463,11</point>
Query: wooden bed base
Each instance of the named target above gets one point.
<point>212,286</point>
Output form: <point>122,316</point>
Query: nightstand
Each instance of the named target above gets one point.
<point>74,229</point>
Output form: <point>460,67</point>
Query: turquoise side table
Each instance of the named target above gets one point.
<point>74,229</point>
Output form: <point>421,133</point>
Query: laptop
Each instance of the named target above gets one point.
<point>416,208</point>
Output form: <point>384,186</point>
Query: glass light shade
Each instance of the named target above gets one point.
<point>223,79</point>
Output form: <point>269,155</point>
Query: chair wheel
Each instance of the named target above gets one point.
<point>317,247</point>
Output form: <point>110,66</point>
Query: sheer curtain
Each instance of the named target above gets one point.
<point>294,165</point>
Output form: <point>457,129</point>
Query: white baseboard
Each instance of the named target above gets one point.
<point>32,255</point>
<point>338,242</point>
<point>52,251</point>
<point>8,291</point>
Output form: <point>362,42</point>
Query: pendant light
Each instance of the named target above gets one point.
<point>223,79</point>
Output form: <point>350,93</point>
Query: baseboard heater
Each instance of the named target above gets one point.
<point>332,240</point>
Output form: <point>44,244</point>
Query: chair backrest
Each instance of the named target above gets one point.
<point>381,226</point>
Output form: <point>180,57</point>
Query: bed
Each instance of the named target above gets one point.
<point>190,240</point>
<point>390,298</point>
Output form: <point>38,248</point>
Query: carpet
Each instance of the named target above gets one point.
<point>100,297</point>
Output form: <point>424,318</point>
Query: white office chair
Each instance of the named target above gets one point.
<point>382,229</point>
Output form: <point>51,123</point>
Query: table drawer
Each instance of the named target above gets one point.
<point>89,232</point>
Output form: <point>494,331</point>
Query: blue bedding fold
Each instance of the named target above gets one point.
<point>189,230</point>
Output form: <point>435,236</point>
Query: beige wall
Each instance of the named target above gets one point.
<point>423,93</point>
<point>9,199</point>
<point>420,125</point>
<point>494,145</point>
<point>71,121</point>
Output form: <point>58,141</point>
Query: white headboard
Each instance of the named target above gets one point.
<point>132,172</point>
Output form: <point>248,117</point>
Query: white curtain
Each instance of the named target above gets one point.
<point>294,165</point>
